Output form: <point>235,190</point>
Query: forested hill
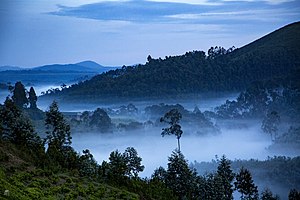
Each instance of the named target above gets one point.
<point>271,56</point>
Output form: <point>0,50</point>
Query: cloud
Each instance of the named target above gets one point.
<point>182,11</point>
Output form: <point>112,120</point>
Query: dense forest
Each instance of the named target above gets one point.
<point>194,72</point>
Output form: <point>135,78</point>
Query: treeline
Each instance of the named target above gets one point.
<point>196,72</point>
<point>268,172</point>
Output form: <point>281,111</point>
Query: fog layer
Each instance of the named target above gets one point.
<point>242,143</point>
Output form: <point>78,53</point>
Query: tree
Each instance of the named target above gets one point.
<point>117,167</point>
<point>58,131</point>
<point>172,118</point>
<point>270,124</point>
<point>244,184</point>
<point>101,120</point>
<point>268,195</point>
<point>159,174</point>
<point>32,98</point>
<point>87,164</point>
<point>294,194</point>
<point>19,95</point>
<point>15,127</point>
<point>179,177</point>
<point>133,162</point>
<point>226,177</point>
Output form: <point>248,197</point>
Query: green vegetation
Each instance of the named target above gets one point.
<point>172,118</point>
<point>28,171</point>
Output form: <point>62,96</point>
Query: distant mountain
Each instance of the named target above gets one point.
<point>195,72</point>
<point>5,68</point>
<point>85,66</point>
<point>52,74</point>
<point>90,64</point>
<point>60,68</point>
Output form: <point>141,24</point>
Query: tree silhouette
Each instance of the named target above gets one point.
<point>244,184</point>
<point>32,98</point>
<point>58,131</point>
<point>270,124</point>
<point>172,118</point>
<point>226,176</point>
<point>19,95</point>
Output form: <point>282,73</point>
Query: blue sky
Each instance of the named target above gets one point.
<point>124,32</point>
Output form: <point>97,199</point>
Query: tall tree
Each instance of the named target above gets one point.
<point>172,118</point>
<point>116,167</point>
<point>270,124</point>
<point>226,177</point>
<point>59,152</point>
<point>133,162</point>
<point>32,98</point>
<point>179,177</point>
<point>244,184</point>
<point>19,95</point>
<point>57,129</point>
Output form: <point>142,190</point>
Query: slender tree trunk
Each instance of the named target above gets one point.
<point>178,144</point>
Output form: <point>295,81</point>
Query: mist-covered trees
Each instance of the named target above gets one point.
<point>15,127</point>
<point>58,138</point>
<point>32,98</point>
<point>58,131</point>
<point>100,120</point>
<point>172,118</point>
<point>244,184</point>
<point>122,166</point>
<point>19,95</point>
<point>226,177</point>
<point>179,177</point>
<point>270,124</point>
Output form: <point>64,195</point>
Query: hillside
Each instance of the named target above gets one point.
<point>23,180</point>
<point>194,72</point>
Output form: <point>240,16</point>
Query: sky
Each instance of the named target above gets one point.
<point>125,32</point>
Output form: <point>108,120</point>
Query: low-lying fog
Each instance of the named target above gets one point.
<point>244,143</point>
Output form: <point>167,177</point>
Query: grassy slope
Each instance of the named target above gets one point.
<point>24,181</point>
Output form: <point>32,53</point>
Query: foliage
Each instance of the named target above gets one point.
<point>245,185</point>
<point>59,151</point>
<point>58,131</point>
<point>226,176</point>
<point>87,165</point>
<point>19,95</point>
<point>122,167</point>
<point>270,124</point>
<point>172,119</point>
<point>32,98</point>
<point>15,127</point>
<point>133,162</point>
<point>179,177</point>
<point>101,120</point>
<point>268,195</point>
<point>294,194</point>
<point>261,98</point>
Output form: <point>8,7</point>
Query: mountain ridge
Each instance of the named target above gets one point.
<point>195,72</point>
